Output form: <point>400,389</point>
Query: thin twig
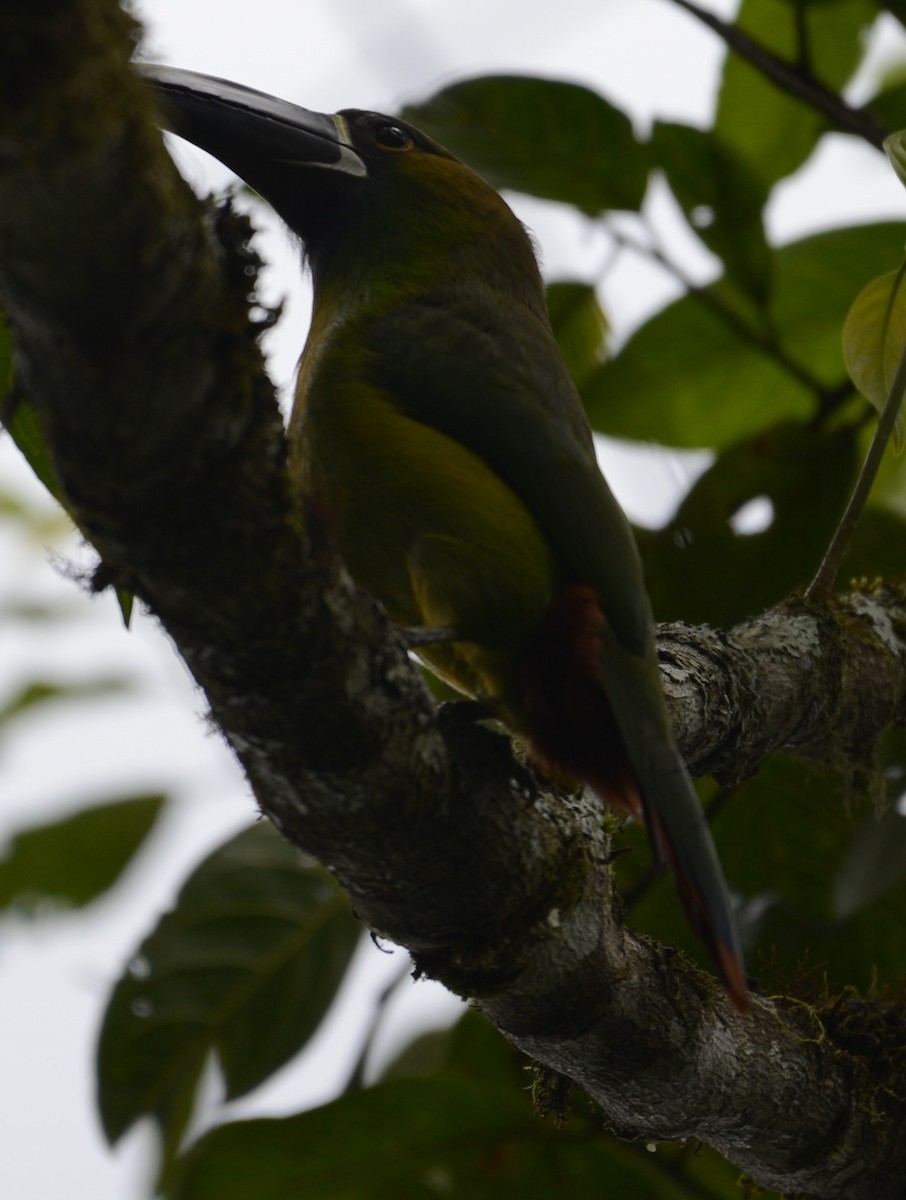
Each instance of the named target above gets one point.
<point>792,79</point>
<point>803,53</point>
<point>356,1079</point>
<point>821,585</point>
<point>760,340</point>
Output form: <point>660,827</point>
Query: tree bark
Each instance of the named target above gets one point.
<point>129,301</point>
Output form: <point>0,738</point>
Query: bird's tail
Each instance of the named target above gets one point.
<point>679,832</point>
<point>595,711</point>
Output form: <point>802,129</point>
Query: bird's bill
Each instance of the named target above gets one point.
<point>249,131</point>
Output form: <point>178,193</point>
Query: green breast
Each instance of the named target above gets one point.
<point>424,525</point>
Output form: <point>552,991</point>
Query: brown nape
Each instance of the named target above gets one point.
<point>571,727</point>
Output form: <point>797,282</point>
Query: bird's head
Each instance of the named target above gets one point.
<point>378,205</point>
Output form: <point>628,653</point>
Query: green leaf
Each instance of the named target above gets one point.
<point>721,198</point>
<point>889,490</point>
<point>690,377</point>
<point>896,7</point>
<point>876,862</point>
<point>771,129</point>
<point>397,1139</point>
<point>478,1051</point>
<point>25,429</point>
<point>878,548</point>
<point>895,149</point>
<point>874,338</point>
<point>579,324</point>
<point>22,421</point>
<point>37,613</point>
<point>42,525</point>
<point>556,140</point>
<point>423,1056</point>
<point>888,104</point>
<point>247,964</point>
<point>74,860</point>
<point>126,602</point>
<point>706,566</point>
<point>782,837</point>
<point>441,1136</point>
<point>42,691</point>
<point>469,1049</point>
<point>776,837</point>
<point>6,359</point>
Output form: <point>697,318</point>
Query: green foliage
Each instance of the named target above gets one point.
<point>38,692</point>
<point>24,428</point>
<point>874,338</point>
<point>721,197</point>
<point>246,965</point>
<point>463,1128</point>
<point>709,371</point>
<point>895,149</point>
<point>874,864</point>
<point>823,888</point>
<point>23,425</point>
<point>797,817</point>
<point>774,132</point>
<point>580,326</point>
<point>706,566</point>
<point>889,102</point>
<point>551,139</point>
<point>72,861</point>
<point>21,420</point>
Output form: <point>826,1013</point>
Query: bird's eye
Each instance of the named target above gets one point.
<point>391,137</point>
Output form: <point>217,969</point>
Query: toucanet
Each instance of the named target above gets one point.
<point>439,434</point>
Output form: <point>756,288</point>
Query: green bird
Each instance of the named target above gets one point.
<point>439,434</point>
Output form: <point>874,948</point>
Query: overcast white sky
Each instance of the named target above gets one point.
<point>325,54</point>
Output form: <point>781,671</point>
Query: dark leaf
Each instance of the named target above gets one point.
<point>896,7</point>
<point>889,103</point>
<point>76,859</point>
<point>721,198</point>
<point>397,1135</point>
<point>22,422</point>
<point>580,326</point>
<point>556,140</point>
<point>25,429</point>
<point>876,862</point>
<point>782,837</point>
<point>767,126</point>
<point>246,965</point>
<point>874,337</point>
<point>430,1137</point>
<point>753,527</point>
<point>878,549</point>
<point>690,377</point>
<point>469,1049</point>
<point>40,691</point>
<point>126,602</point>
<point>423,1056</point>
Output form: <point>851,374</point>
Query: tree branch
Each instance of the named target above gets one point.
<point>822,682</point>
<point>130,308</point>
<point>792,78</point>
